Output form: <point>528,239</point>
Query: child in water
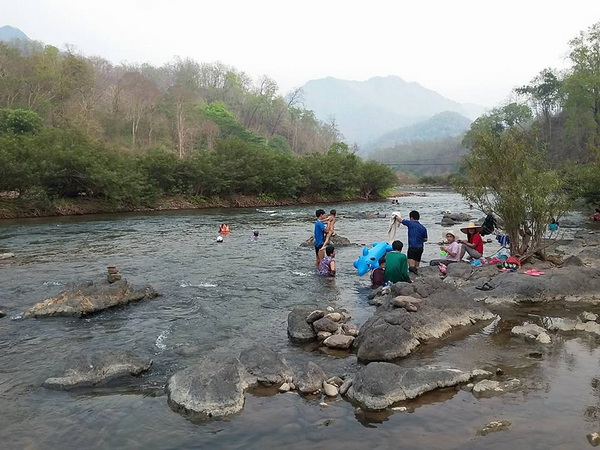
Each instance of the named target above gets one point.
<point>327,265</point>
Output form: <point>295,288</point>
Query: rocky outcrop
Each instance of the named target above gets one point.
<point>265,364</point>
<point>90,297</point>
<point>212,388</point>
<point>395,332</point>
<point>380,384</point>
<point>91,370</point>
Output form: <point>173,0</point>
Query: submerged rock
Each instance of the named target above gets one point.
<point>574,325</point>
<point>213,388</point>
<point>488,388</point>
<point>394,332</point>
<point>91,370</point>
<point>381,384</point>
<point>89,297</point>
<point>265,364</point>
<point>494,426</point>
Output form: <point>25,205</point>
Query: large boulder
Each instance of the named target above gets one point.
<point>89,297</point>
<point>265,364</point>
<point>380,384</point>
<point>395,332</point>
<point>212,388</point>
<point>299,330</point>
<point>94,369</point>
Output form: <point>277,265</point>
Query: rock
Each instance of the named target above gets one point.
<point>594,439</point>
<point>574,261</point>
<point>325,324</point>
<point>329,389</point>
<point>490,387</point>
<point>298,330</point>
<point>311,379</point>
<point>339,341</point>
<point>94,369</point>
<point>532,331</point>
<point>336,240</point>
<point>2,313</point>
<point>394,332</point>
<point>467,387</point>
<point>213,388</point>
<point>315,315</point>
<point>113,277</point>
<point>285,387</point>
<point>265,364</point>
<point>411,304</point>
<point>587,316</point>
<point>494,426</point>
<point>481,373</point>
<point>6,255</point>
<point>350,329</point>
<point>335,316</point>
<point>322,335</point>
<point>487,386</point>
<point>292,386</point>
<point>336,381</point>
<point>346,385</point>
<point>89,297</point>
<point>380,384</point>
<point>345,316</point>
<point>330,309</point>
<point>574,325</point>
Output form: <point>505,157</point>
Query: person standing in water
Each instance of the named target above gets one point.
<point>327,265</point>
<point>319,234</point>
<point>417,236</point>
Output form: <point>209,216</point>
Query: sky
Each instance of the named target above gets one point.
<point>473,51</point>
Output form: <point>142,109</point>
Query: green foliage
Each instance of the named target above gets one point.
<point>506,174</point>
<point>19,121</point>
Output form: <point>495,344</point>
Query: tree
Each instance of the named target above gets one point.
<point>506,174</point>
<point>582,85</point>
<point>19,121</point>
<point>545,93</point>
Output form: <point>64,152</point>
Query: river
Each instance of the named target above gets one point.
<point>221,297</point>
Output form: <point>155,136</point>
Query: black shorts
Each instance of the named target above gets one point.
<point>317,250</point>
<point>414,253</point>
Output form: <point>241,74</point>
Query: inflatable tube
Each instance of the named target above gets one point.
<point>370,257</point>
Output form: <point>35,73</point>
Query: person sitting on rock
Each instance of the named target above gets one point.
<point>396,264</point>
<point>327,265</point>
<point>452,250</point>
<point>596,216</point>
<point>378,275</point>
<point>474,243</point>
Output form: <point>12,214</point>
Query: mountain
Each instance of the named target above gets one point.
<point>365,110</point>
<point>444,124</point>
<point>8,33</point>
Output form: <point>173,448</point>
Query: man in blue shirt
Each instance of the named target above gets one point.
<point>319,234</point>
<point>417,236</point>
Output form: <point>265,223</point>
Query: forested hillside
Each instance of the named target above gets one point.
<point>81,127</point>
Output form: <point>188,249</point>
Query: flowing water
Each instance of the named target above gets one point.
<point>221,297</point>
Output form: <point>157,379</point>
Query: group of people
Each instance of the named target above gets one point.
<point>395,266</point>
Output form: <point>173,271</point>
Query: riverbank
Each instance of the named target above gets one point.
<point>22,209</point>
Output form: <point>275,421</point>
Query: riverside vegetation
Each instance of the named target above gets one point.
<point>78,134</point>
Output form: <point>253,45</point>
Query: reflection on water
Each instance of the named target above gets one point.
<point>221,297</point>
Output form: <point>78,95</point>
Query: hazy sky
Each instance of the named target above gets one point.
<point>468,50</point>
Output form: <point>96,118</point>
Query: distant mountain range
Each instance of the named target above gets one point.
<point>8,33</point>
<point>365,111</point>
<point>444,124</point>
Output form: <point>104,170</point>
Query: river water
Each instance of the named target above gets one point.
<point>219,298</point>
